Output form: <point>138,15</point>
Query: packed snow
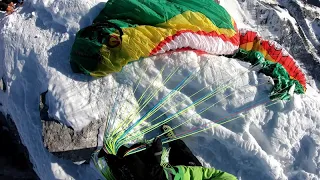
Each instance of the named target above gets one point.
<point>280,141</point>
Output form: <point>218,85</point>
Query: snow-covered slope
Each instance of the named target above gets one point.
<point>276,142</point>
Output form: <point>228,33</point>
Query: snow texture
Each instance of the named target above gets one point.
<point>269,142</point>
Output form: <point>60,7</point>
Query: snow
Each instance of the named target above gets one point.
<point>275,142</point>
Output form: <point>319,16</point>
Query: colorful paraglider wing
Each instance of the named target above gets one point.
<point>127,30</point>
<point>276,62</point>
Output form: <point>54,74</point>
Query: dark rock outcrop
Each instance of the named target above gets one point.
<point>14,158</point>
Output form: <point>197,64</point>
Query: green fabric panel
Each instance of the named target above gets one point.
<point>281,77</point>
<point>90,59</point>
<point>252,57</point>
<point>153,12</point>
<point>198,173</point>
<point>121,23</point>
<point>283,81</point>
<point>86,53</point>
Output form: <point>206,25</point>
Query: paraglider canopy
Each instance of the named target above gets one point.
<point>126,31</point>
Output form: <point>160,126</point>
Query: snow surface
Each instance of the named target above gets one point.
<point>275,142</point>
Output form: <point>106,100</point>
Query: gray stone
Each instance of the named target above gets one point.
<point>66,143</point>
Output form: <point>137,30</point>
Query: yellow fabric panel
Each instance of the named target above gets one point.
<point>138,42</point>
<point>268,57</point>
<point>247,46</point>
<point>258,47</point>
<point>195,21</point>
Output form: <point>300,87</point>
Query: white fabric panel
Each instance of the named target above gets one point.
<point>209,44</point>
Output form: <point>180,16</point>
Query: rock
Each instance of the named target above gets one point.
<point>63,141</point>
<point>66,143</point>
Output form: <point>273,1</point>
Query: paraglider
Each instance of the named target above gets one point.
<point>118,37</point>
<point>127,31</point>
